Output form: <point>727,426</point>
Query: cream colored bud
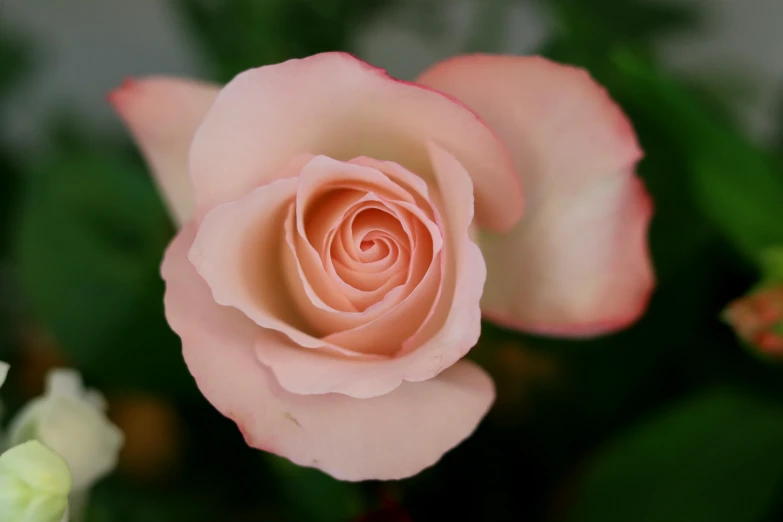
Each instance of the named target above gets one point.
<point>3,372</point>
<point>71,421</point>
<point>34,484</point>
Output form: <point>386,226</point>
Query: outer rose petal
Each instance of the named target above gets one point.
<point>163,115</point>
<point>334,104</point>
<point>577,264</point>
<point>389,437</point>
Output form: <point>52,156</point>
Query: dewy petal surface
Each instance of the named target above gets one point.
<point>577,264</point>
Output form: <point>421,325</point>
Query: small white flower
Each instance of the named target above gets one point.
<point>34,484</point>
<point>3,372</point>
<point>71,421</point>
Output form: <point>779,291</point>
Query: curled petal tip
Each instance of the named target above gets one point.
<point>116,95</point>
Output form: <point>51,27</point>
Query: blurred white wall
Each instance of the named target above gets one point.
<point>86,47</point>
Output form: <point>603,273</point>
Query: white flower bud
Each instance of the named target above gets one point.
<point>71,421</point>
<point>3,372</point>
<point>34,484</point>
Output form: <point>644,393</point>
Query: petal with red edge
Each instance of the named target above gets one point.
<point>577,264</point>
<point>163,115</point>
<point>336,105</point>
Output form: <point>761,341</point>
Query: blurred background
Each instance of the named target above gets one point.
<point>675,419</point>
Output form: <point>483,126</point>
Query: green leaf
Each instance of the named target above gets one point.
<point>240,34</point>
<point>715,456</point>
<point>737,185</point>
<point>778,138</point>
<point>91,235</point>
<point>772,265</point>
<point>314,496</point>
<point>116,500</point>
<point>592,28</point>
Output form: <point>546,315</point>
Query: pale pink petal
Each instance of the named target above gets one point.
<point>163,115</point>
<point>238,252</point>
<point>382,327</point>
<point>453,325</point>
<point>307,282</point>
<point>413,184</point>
<point>577,264</point>
<point>454,322</point>
<point>321,294</point>
<point>364,276</point>
<point>389,437</point>
<point>336,105</point>
<point>386,334</point>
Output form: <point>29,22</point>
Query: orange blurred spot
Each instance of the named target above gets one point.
<point>153,436</point>
<point>40,353</point>
<point>758,320</point>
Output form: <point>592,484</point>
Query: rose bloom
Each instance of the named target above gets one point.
<point>342,234</point>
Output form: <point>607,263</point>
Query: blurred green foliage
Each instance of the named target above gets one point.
<point>91,233</point>
<point>13,63</point>
<point>670,420</point>
<point>241,34</point>
<point>715,456</point>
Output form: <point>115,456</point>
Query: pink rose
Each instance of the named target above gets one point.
<point>327,279</point>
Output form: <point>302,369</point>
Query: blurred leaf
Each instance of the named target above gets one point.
<point>14,59</point>
<point>116,501</point>
<point>588,27</point>
<point>427,18</point>
<point>772,265</point>
<point>314,496</point>
<point>490,26</point>
<point>738,185</point>
<point>729,89</point>
<point>91,236</point>
<point>778,138</point>
<point>14,62</point>
<point>716,456</point>
<point>241,34</point>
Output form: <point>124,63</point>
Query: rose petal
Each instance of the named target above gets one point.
<point>389,437</point>
<point>238,250</point>
<point>413,184</point>
<point>453,326</point>
<point>320,297</point>
<point>163,115</point>
<point>577,264</point>
<point>319,175</point>
<point>336,105</point>
<point>455,318</point>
